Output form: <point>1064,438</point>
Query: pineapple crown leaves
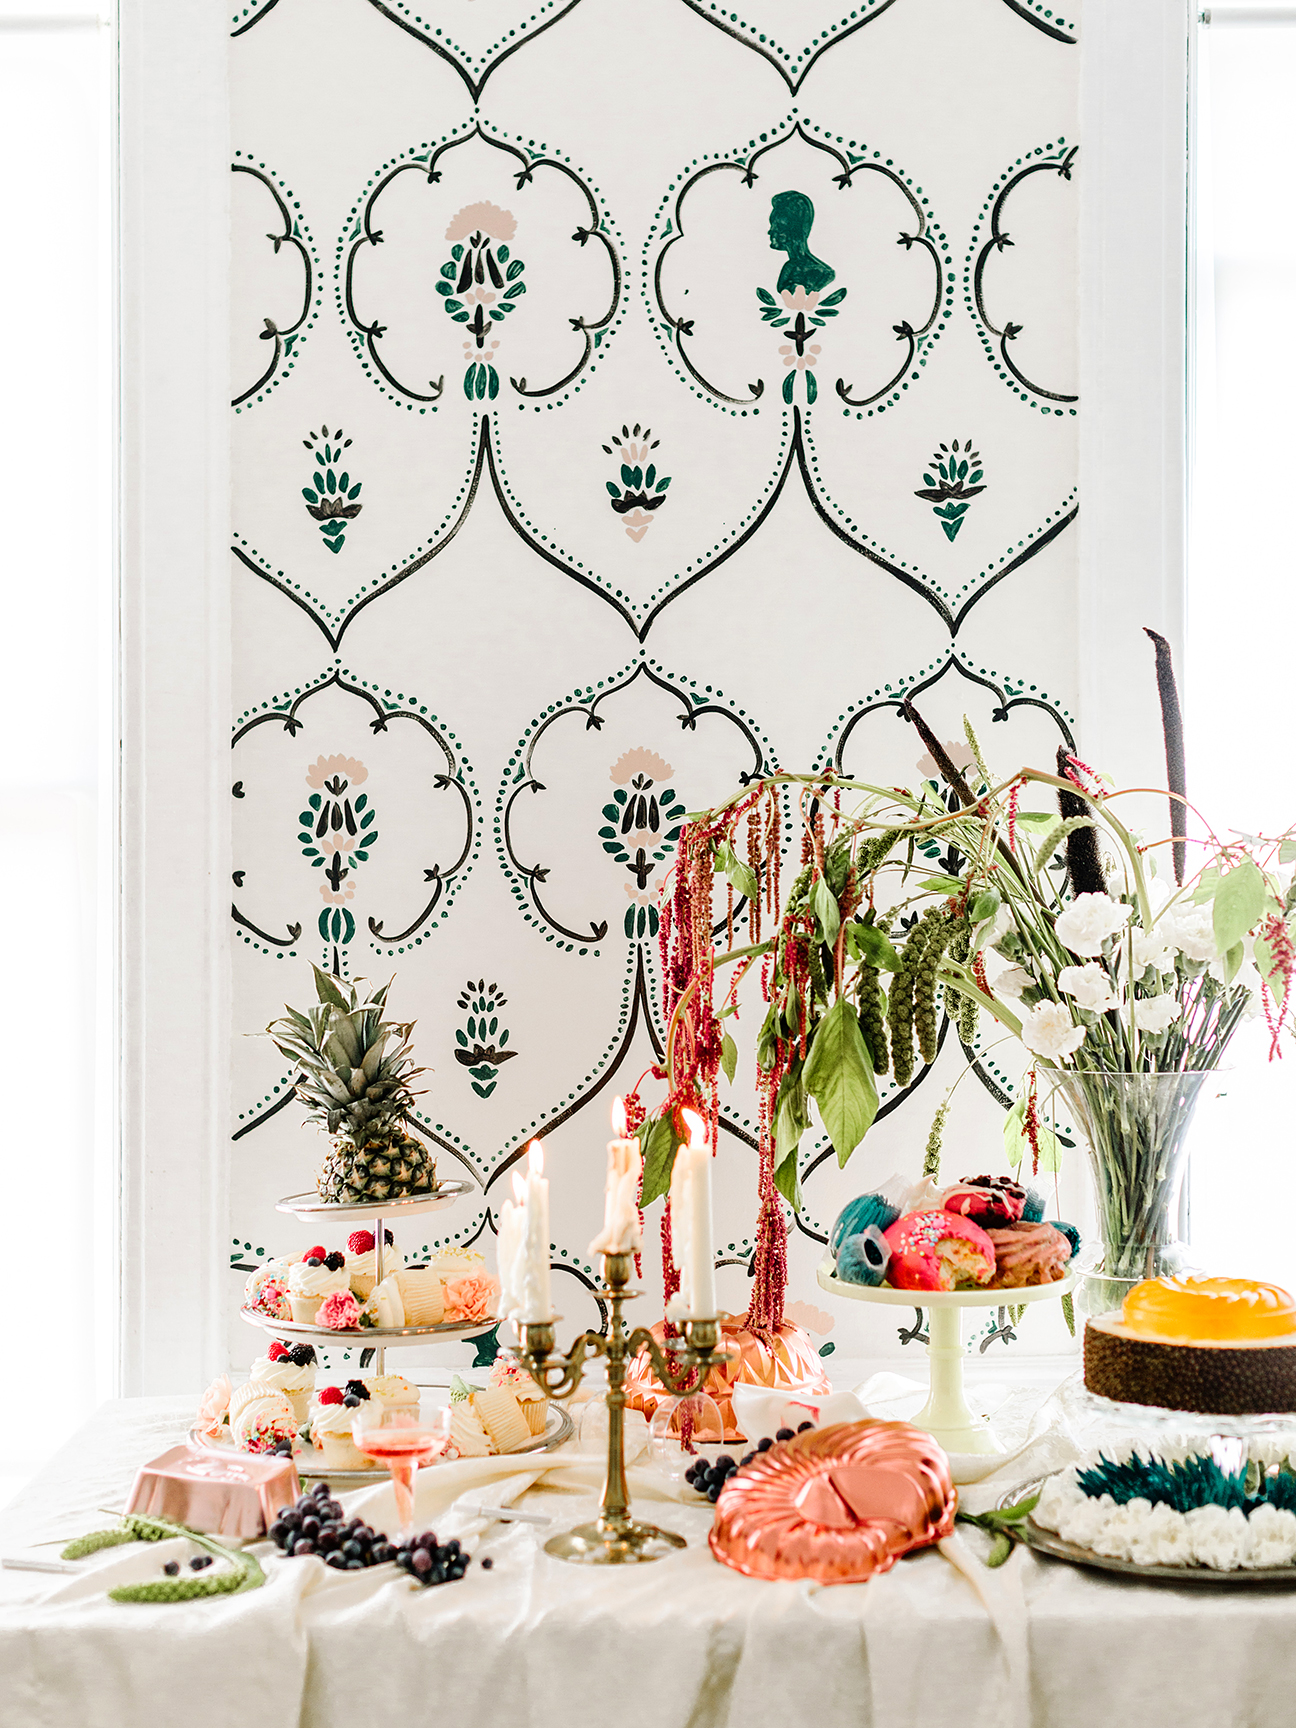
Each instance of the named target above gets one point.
<point>355,1066</point>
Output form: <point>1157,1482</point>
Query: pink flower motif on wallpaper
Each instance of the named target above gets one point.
<point>337,833</point>
<point>498,224</point>
<point>642,488</point>
<point>326,768</point>
<point>640,761</point>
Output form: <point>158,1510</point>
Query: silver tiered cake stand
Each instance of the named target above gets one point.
<point>310,1209</point>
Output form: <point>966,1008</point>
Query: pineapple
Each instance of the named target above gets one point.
<point>356,1069</point>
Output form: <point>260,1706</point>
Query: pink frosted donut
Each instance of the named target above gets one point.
<point>938,1251</point>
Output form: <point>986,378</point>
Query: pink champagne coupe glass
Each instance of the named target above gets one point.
<point>404,1443</point>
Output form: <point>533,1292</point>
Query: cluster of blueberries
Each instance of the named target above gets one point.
<point>318,1525</point>
<point>709,1479</point>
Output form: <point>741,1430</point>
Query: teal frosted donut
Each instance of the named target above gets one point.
<point>859,1214</point>
<point>864,1257</point>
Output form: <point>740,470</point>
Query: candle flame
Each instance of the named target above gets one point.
<point>535,1157</point>
<point>618,1119</point>
<point>696,1127</point>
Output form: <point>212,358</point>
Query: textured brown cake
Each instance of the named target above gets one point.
<point>1234,1377</point>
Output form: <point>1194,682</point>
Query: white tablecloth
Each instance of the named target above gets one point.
<point>681,1643</point>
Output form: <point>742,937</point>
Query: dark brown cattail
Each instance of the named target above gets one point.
<point>1084,864</point>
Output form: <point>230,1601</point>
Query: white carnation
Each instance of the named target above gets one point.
<point>1273,1537</point>
<point>1050,1031</point>
<point>1190,929</point>
<point>1156,1013</point>
<point>1151,948</point>
<point>1088,921</point>
<point>1219,1538</point>
<point>1089,985</point>
<point>1059,1497</point>
<point>1010,982</point>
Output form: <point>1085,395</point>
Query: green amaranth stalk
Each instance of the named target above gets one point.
<point>243,1571</point>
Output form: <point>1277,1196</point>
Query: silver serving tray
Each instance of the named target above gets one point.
<point>559,1427</point>
<point>311,1209</point>
<point>1049,1542</point>
<point>369,1337</point>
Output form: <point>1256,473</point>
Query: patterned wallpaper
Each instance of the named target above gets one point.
<point>630,399</point>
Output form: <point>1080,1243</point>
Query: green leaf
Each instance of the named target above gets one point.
<point>1233,962</point>
<point>788,1181</point>
<point>939,884</point>
<point>1017,1143</point>
<point>663,483</point>
<point>741,875</point>
<point>1239,902</point>
<point>658,1158</point>
<point>985,906</point>
<point>867,942</point>
<point>1037,819</point>
<point>515,269</point>
<point>1287,852</point>
<point>729,1057</point>
<point>824,905</point>
<point>502,253</point>
<point>839,1077</point>
<point>1000,1549</point>
<point>765,295</point>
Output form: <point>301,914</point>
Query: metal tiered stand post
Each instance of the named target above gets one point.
<point>614,1538</point>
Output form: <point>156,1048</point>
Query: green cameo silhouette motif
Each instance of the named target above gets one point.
<point>801,286</point>
<point>791,219</point>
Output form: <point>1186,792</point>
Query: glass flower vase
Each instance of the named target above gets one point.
<point>1135,1128</point>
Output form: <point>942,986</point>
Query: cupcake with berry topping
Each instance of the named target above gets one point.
<point>362,1261</point>
<point>508,1371</point>
<point>290,1369</point>
<point>332,1415</point>
<point>263,1424</point>
<point>315,1276</point>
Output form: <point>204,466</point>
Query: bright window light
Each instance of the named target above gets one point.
<point>1242,569</point>
<point>55,868</point>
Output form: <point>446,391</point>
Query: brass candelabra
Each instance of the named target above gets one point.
<point>614,1538</point>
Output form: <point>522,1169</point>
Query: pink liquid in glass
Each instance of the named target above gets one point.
<point>403,1450</point>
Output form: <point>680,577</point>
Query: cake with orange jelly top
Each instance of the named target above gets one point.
<point>1218,1346</point>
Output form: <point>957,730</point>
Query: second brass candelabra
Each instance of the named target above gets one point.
<point>614,1538</point>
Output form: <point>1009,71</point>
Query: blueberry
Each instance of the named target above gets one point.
<point>199,1561</point>
<point>351,1401</point>
<point>171,1568</point>
<point>382,1552</point>
<point>421,1560</point>
<point>304,1545</point>
<point>352,1549</point>
<point>784,1434</point>
<point>336,1560</point>
<point>725,1462</point>
<point>291,1517</point>
<point>314,1260</point>
<point>321,1489</point>
<point>326,1541</point>
<point>804,1426</point>
<point>713,1493</point>
<point>452,1546</point>
<point>310,1527</point>
<point>487,1563</point>
<point>404,1560</point>
<point>355,1565</point>
<point>764,1445</point>
<point>278,1532</point>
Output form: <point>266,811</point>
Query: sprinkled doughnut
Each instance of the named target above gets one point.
<point>939,1251</point>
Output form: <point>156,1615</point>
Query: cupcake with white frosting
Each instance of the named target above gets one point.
<point>289,1369</point>
<point>264,1423</point>
<point>385,1305</point>
<point>314,1277</point>
<point>266,1289</point>
<point>332,1415</point>
<point>362,1260</point>
<point>508,1371</point>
